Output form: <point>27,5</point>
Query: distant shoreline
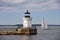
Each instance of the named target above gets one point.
<point>32,25</point>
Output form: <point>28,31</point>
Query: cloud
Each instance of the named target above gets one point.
<point>43,5</point>
<point>8,8</point>
<point>58,1</point>
<point>13,1</point>
<point>34,5</point>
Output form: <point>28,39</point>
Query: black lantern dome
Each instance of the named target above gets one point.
<point>27,14</point>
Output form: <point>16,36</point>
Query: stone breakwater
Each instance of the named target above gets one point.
<point>20,31</point>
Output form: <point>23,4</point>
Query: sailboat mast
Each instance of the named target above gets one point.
<point>44,24</point>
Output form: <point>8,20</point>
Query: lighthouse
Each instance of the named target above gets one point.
<point>27,19</point>
<point>27,28</point>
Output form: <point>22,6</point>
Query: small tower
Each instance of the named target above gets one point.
<point>27,20</point>
<point>27,28</point>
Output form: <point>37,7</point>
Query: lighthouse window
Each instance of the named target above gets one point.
<point>27,16</point>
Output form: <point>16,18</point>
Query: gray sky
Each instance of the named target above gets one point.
<point>11,11</point>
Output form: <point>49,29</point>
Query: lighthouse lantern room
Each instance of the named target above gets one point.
<point>27,20</point>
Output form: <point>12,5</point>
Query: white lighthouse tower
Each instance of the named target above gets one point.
<point>27,28</point>
<point>27,20</point>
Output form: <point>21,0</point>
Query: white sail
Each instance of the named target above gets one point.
<point>44,24</point>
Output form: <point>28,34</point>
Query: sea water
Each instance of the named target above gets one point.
<point>52,34</point>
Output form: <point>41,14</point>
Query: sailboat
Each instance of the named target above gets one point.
<point>44,25</point>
